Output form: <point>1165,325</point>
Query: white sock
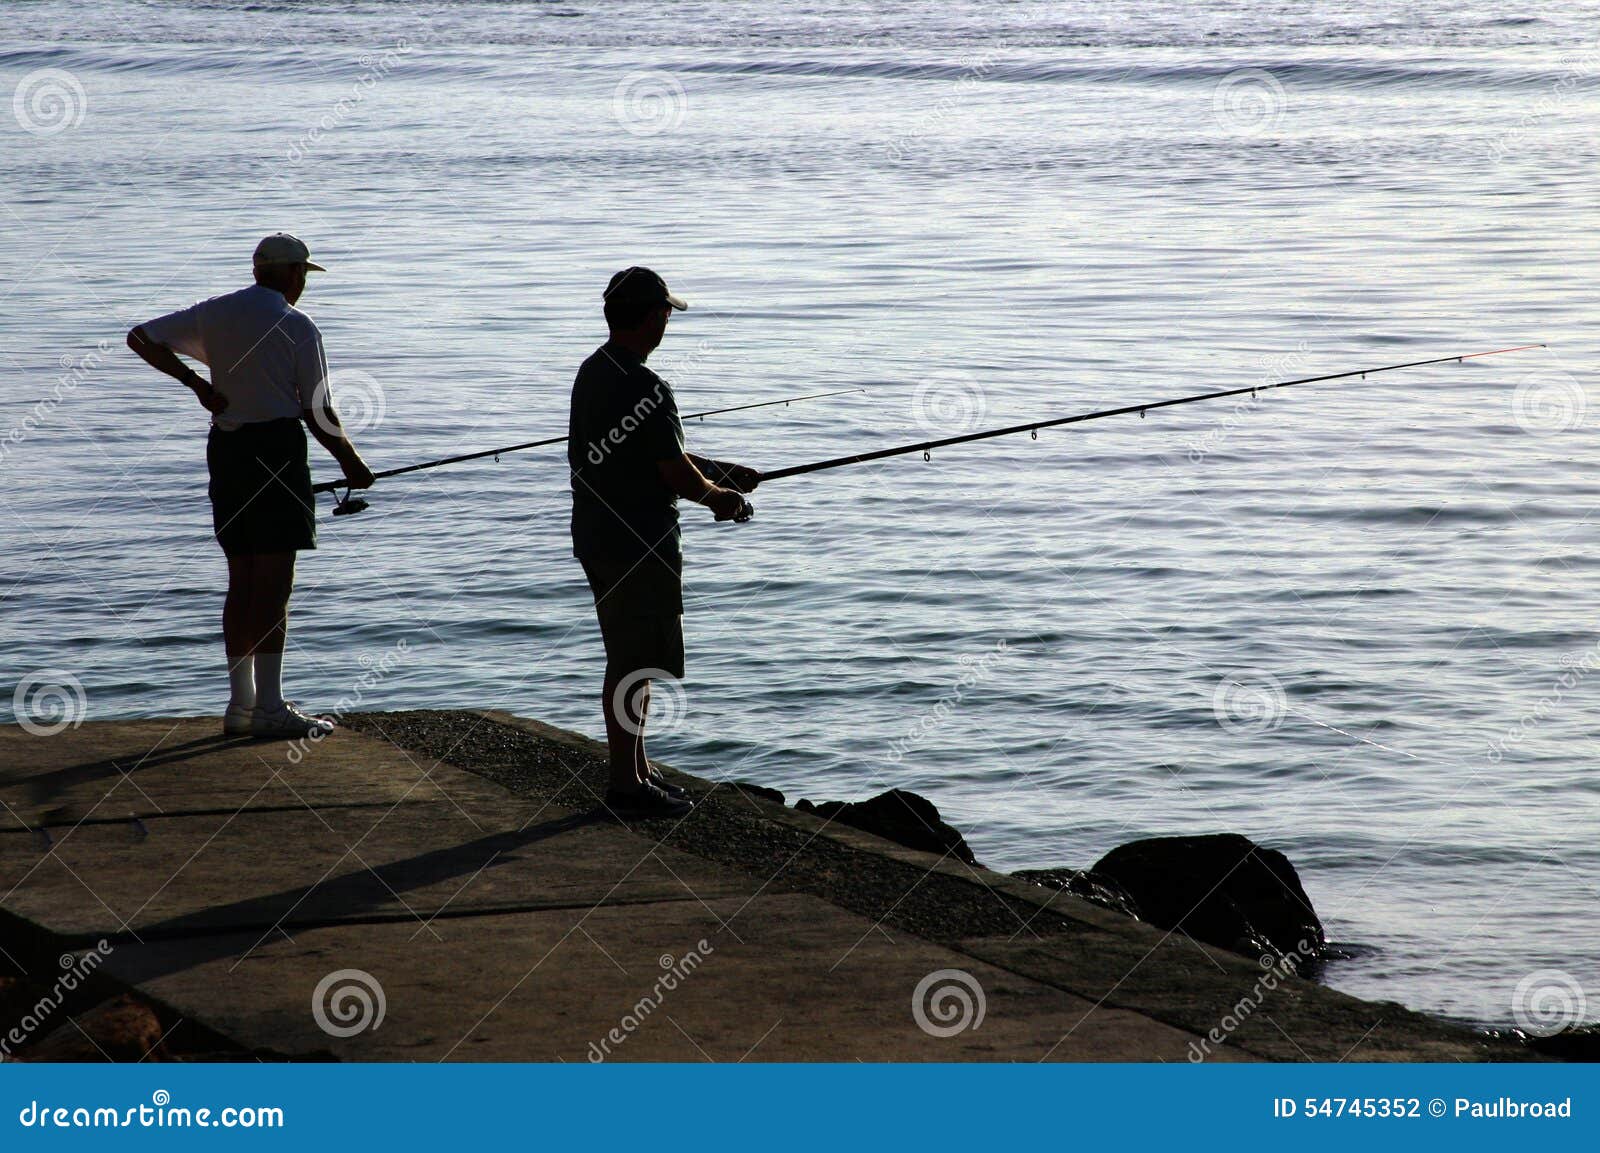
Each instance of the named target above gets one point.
<point>241,682</point>
<point>269,681</point>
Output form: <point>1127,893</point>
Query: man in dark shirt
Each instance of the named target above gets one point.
<point>625,448</point>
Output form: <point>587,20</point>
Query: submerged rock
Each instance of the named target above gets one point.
<point>899,816</point>
<point>1579,1044</point>
<point>1222,889</point>
<point>1092,887</point>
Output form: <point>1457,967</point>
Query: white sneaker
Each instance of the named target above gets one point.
<point>287,723</point>
<point>238,721</point>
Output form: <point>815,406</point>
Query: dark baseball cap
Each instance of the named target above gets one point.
<point>281,248</point>
<point>642,285</point>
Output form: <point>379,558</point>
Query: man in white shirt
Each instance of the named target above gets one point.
<point>268,384</point>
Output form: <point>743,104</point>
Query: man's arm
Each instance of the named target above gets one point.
<point>324,424</point>
<point>683,476</point>
<point>734,476</point>
<point>163,359</point>
<point>316,407</point>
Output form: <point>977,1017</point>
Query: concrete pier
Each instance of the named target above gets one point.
<point>362,899</point>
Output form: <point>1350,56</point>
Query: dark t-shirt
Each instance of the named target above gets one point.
<point>624,421</point>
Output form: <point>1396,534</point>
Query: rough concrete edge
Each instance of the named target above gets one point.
<point>1060,903</point>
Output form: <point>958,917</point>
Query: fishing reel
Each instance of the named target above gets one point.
<point>348,505</point>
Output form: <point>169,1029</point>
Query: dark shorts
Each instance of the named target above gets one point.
<point>640,607</point>
<point>261,488</point>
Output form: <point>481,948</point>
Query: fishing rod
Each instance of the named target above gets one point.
<point>926,447</point>
<point>347,505</point>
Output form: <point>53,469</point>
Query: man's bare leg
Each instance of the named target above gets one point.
<point>272,580</point>
<point>236,606</point>
<point>641,763</point>
<point>642,768</point>
<point>624,733</point>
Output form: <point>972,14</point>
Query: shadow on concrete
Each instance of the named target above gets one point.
<point>45,787</point>
<point>180,943</point>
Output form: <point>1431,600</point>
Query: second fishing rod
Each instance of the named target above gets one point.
<point>348,504</point>
<point>926,447</point>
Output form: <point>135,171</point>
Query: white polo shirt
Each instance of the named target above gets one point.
<point>265,355</point>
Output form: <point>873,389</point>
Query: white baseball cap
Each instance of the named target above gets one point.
<point>281,248</point>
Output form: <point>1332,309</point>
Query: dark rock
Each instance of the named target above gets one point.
<point>1569,1044</point>
<point>1222,889</point>
<point>1092,887</point>
<point>17,999</point>
<point>124,1029</point>
<point>760,792</point>
<point>899,816</point>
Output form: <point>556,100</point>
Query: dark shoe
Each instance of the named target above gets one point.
<point>644,803</point>
<point>239,721</point>
<point>666,786</point>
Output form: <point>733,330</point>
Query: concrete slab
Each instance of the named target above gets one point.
<point>782,977</point>
<point>233,880</point>
<point>1200,988</point>
<point>251,869</point>
<point>151,768</point>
